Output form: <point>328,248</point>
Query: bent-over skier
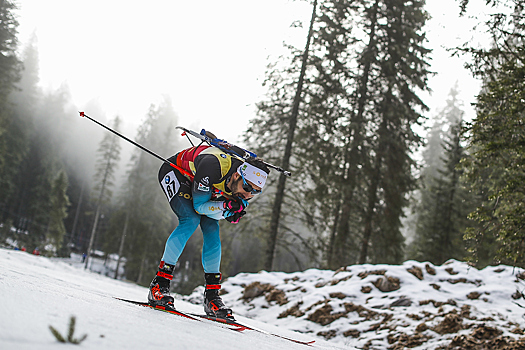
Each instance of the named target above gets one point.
<point>196,202</point>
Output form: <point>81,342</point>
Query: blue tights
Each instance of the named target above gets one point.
<point>189,220</point>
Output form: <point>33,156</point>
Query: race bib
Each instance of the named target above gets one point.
<point>170,185</point>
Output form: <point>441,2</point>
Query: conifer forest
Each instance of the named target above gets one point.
<point>376,177</point>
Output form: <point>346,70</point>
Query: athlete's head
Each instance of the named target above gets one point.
<point>250,178</point>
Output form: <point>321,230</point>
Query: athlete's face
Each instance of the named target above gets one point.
<point>237,188</point>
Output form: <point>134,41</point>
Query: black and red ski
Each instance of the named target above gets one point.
<point>161,308</point>
<point>230,324</point>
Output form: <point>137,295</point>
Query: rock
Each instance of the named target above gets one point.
<point>401,302</point>
<point>387,284</point>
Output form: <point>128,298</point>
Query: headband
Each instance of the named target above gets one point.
<point>253,174</point>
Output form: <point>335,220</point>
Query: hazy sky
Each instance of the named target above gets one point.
<point>208,56</point>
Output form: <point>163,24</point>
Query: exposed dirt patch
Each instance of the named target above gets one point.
<point>276,295</point>
<point>473,295</point>
<point>366,289</point>
<point>354,333</point>
<point>451,271</point>
<point>362,311</point>
<point>435,286</point>
<point>403,341</point>
<point>293,311</point>
<point>430,269</point>
<point>324,315</point>
<point>438,303</point>
<point>337,295</point>
<point>328,334</point>
<point>517,295</point>
<point>462,280</point>
<point>416,271</point>
<point>483,337</point>
<point>334,282</point>
<point>368,273</point>
<point>451,324</point>
<point>255,289</point>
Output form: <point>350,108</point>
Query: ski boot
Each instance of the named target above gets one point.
<point>159,289</point>
<point>213,305</point>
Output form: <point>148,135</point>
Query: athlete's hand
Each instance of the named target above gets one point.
<point>235,217</point>
<point>235,205</point>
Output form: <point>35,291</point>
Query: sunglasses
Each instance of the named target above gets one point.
<point>248,188</point>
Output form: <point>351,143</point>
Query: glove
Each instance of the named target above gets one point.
<point>235,217</point>
<point>235,205</point>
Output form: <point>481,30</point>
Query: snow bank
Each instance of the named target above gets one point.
<point>416,305</point>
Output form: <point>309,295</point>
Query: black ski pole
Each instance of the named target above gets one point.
<point>82,114</point>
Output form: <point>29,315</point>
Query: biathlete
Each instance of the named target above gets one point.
<point>221,187</point>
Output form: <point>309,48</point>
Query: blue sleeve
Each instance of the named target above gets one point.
<point>203,204</point>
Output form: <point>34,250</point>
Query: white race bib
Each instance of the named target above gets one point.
<point>170,184</point>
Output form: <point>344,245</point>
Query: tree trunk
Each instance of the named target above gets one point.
<point>121,247</point>
<point>279,196</point>
<point>341,238</point>
<point>77,212</point>
<point>97,214</point>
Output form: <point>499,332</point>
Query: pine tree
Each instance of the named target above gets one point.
<point>59,203</point>
<point>109,155</point>
<point>446,198</point>
<point>495,138</point>
<point>10,66</point>
<point>142,205</point>
<point>354,136</point>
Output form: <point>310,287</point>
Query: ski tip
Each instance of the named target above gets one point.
<point>82,114</point>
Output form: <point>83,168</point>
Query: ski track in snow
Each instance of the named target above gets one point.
<point>38,292</point>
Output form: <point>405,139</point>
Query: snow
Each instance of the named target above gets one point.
<point>38,292</point>
<point>344,309</point>
<point>349,309</point>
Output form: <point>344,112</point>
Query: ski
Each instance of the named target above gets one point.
<point>160,308</point>
<point>242,327</point>
<point>230,324</point>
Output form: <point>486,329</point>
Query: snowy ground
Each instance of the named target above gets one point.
<point>414,305</point>
<point>38,292</point>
